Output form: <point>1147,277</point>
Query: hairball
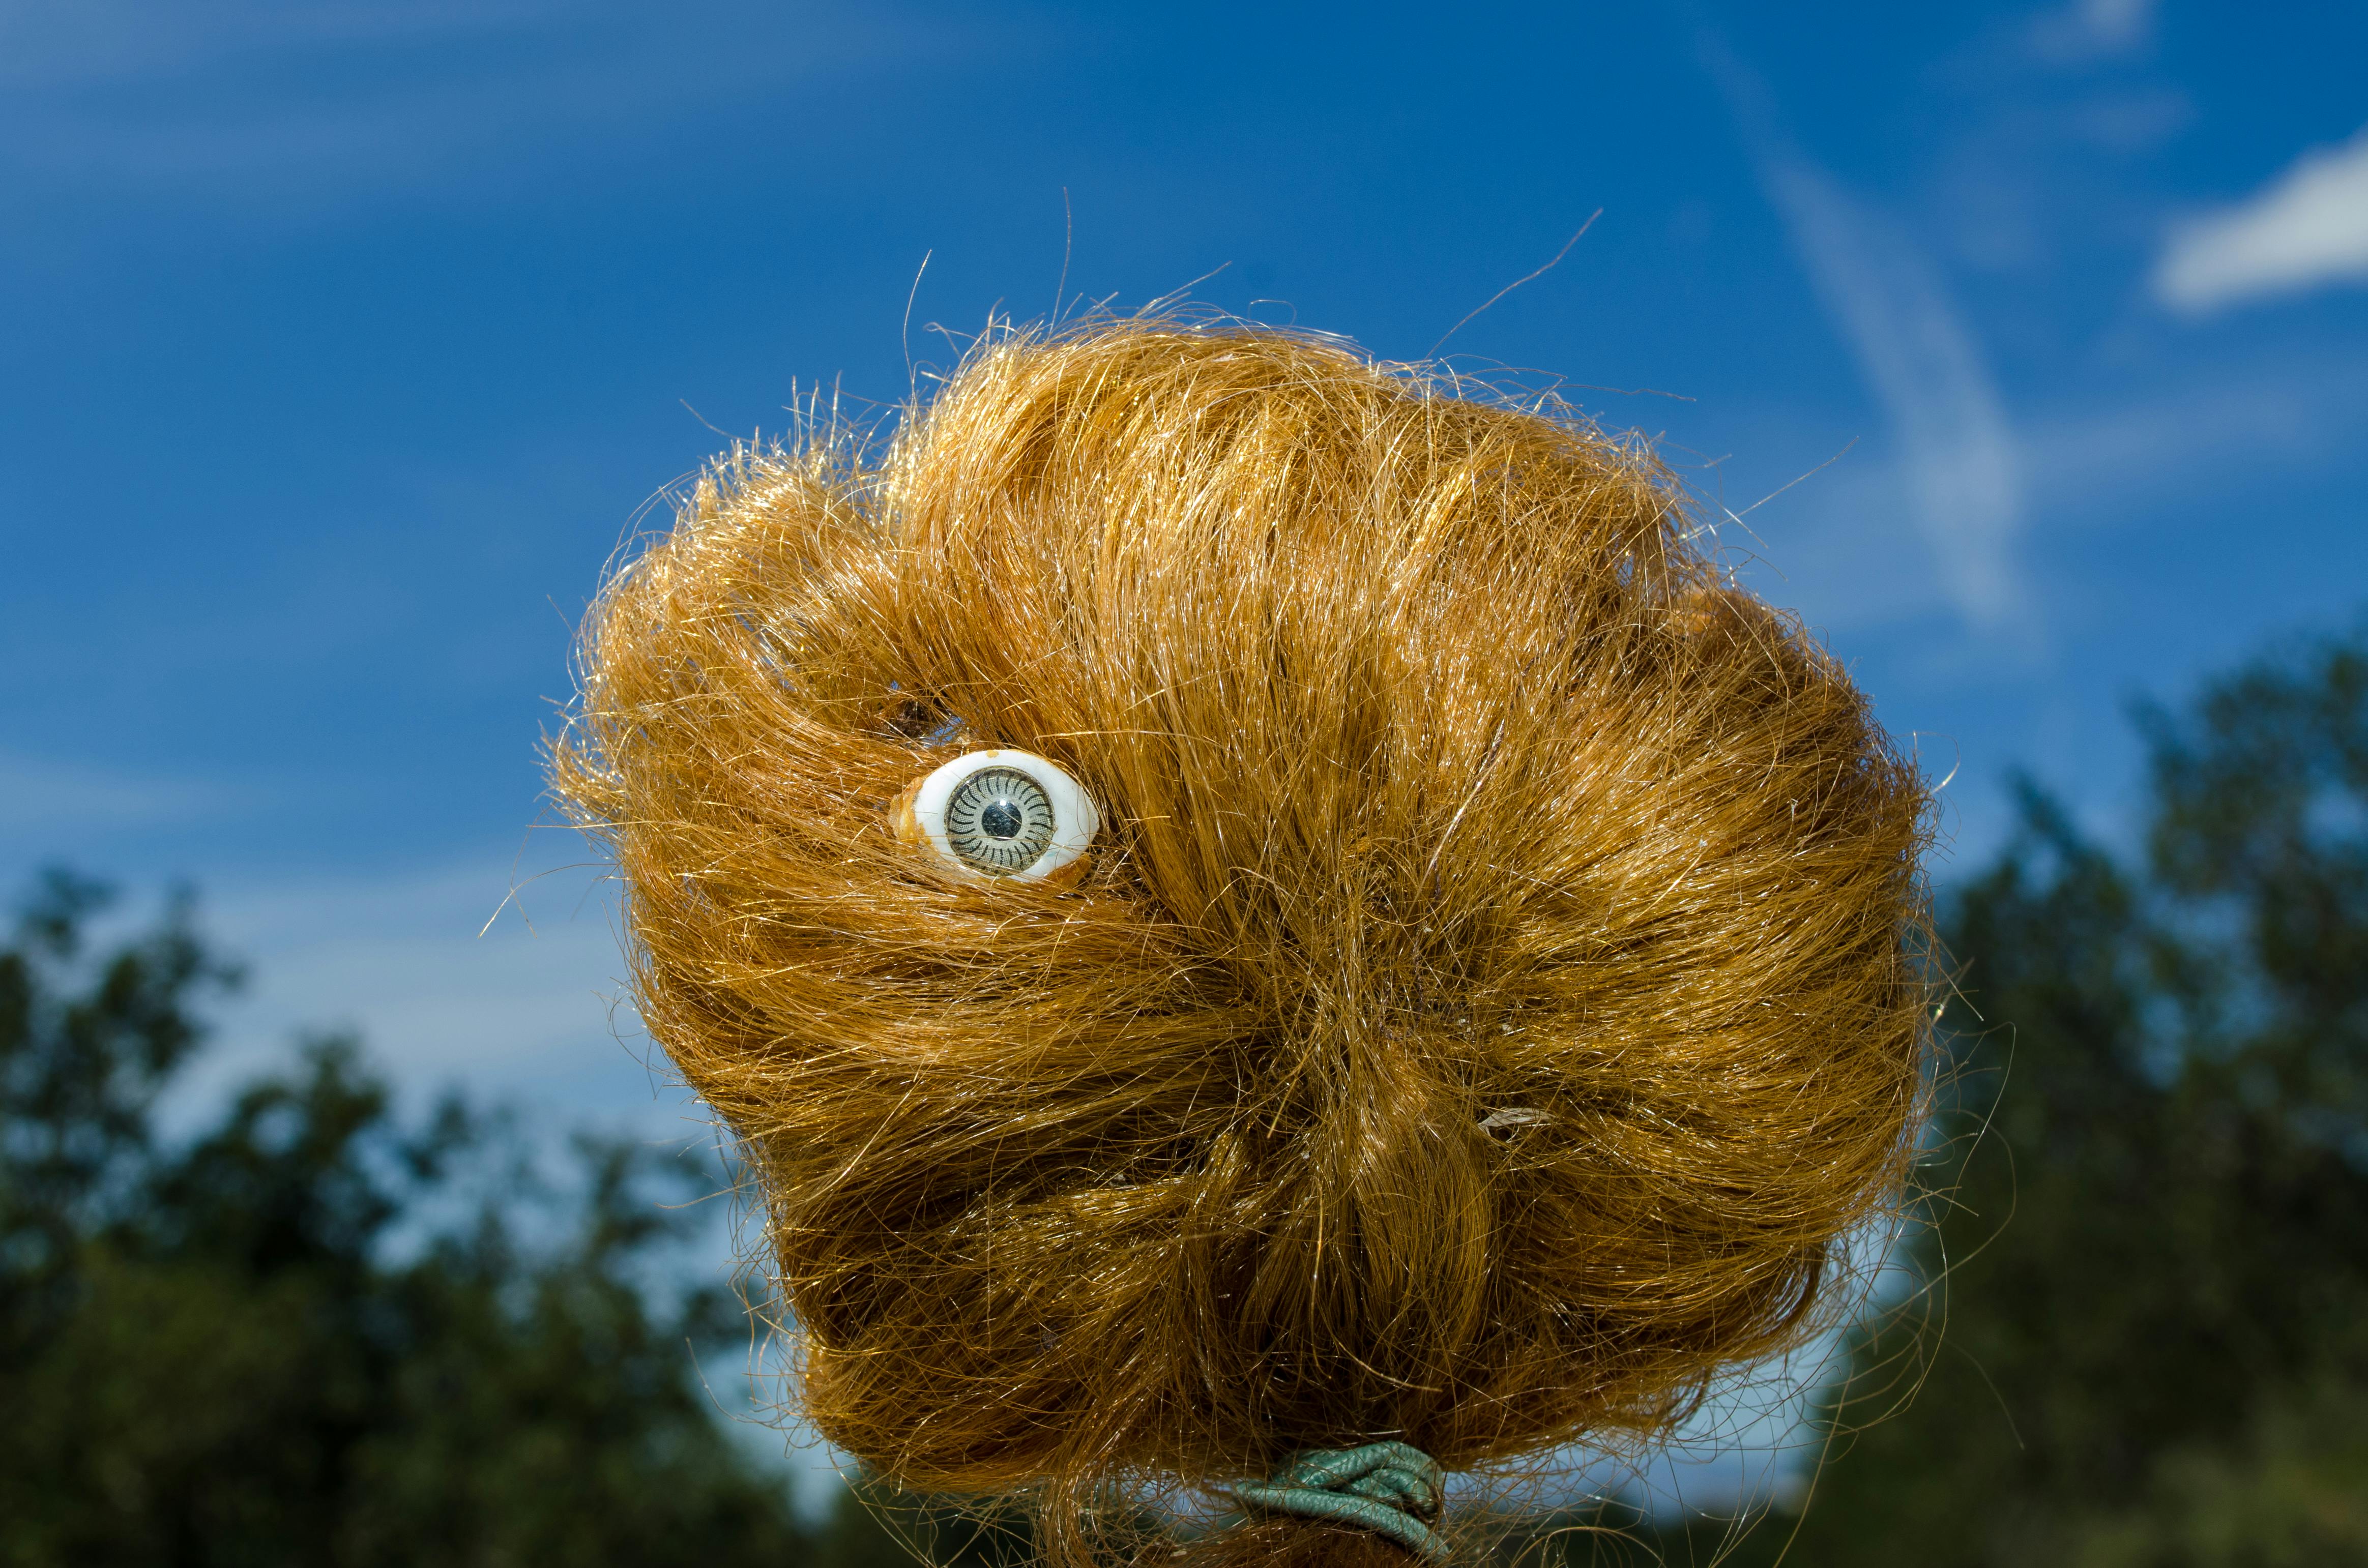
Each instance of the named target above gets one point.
<point>1491,989</point>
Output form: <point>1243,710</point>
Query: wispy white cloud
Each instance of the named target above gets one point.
<point>1958,455</point>
<point>246,96</point>
<point>2306,229</point>
<point>2089,30</point>
<point>1893,307</point>
<point>42,797</point>
<point>74,43</point>
<point>2092,462</point>
<point>2208,432</point>
<point>440,990</point>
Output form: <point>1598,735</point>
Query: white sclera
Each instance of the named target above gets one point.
<point>1075,818</point>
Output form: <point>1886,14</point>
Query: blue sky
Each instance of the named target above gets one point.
<point>346,340</point>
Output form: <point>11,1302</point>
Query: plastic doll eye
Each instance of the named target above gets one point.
<point>1000,813</point>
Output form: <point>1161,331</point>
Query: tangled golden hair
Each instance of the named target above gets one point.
<point>1492,994</point>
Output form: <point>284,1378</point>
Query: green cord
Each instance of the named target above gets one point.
<point>1391,1489</point>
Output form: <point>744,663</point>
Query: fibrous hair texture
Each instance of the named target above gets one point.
<point>1492,994</point>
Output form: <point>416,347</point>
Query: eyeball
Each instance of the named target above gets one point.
<point>1000,813</point>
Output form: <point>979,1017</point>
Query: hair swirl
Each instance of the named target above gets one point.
<point>1495,991</point>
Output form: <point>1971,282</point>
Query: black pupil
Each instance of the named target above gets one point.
<point>1001,819</point>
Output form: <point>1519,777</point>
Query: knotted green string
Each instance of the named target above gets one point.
<point>1391,1489</point>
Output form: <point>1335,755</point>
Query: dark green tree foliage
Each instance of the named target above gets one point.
<point>2148,1338</point>
<point>314,1335</point>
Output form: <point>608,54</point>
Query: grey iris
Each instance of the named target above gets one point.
<point>998,820</point>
